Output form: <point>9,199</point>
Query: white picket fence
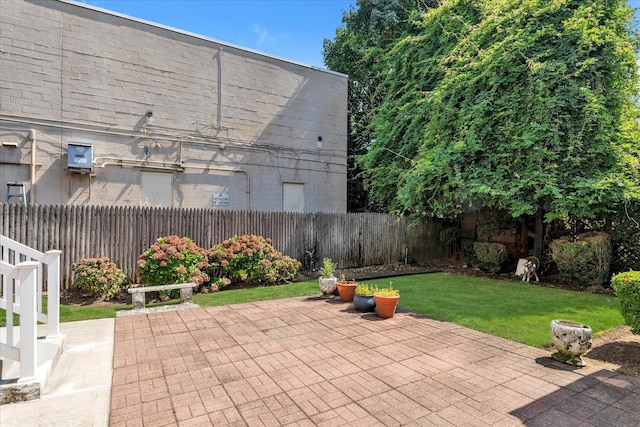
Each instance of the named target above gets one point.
<point>22,270</point>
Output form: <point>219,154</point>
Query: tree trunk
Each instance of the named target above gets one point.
<point>523,247</point>
<point>539,234</point>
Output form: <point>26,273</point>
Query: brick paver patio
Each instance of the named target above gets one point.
<point>311,361</point>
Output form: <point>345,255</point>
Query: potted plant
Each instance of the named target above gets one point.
<point>327,281</point>
<point>386,301</point>
<point>363,299</point>
<point>346,289</point>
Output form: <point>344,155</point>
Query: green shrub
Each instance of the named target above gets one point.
<point>287,268</point>
<point>449,235</point>
<point>100,276</point>
<point>586,260</point>
<point>469,253</point>
<point>489,256</point>
<point>171,260</point>
<point>627,287</point>
<point>251,259</point>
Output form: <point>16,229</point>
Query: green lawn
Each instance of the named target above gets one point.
<point>509,309</point>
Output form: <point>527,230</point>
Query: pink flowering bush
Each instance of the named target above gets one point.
<point>216,285</point>
<point>100,276</point>
<point>173,259</point>
<point>251,259</point>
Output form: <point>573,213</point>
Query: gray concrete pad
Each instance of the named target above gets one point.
<point>78,391</point>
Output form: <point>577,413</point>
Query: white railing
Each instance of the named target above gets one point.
<point>21,274</point>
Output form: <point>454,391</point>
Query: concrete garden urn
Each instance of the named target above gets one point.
<point>572,340</point>
<point>327,285</point>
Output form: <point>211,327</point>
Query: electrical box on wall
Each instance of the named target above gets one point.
<point>220,199</point>
<point>80,157</point>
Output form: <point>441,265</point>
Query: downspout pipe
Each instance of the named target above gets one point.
<point>32,187</point>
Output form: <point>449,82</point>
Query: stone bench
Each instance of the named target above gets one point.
<point>138,294</point>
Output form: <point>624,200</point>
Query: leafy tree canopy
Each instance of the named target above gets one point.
<point>368,31</point>
<point>522,105</point>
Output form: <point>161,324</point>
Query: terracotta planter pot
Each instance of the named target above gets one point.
<point>386,306</point>
<point>347,290</point>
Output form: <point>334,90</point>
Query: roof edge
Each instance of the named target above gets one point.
<point>198,36</point>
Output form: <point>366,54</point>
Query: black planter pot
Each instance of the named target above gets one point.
<point>364,303</point>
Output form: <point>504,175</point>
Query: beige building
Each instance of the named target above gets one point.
<point>100,108</point>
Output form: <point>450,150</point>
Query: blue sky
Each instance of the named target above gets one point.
<point>289,29</point>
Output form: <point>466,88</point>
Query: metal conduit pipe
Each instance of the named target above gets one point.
<point>106,161</point>
<point>190,140</point>
<point>101,162</point>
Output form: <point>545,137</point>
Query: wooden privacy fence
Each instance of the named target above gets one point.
<point>124,232</point>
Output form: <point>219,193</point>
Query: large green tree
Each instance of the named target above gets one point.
<point>521,105</point>
<point>358,49</point>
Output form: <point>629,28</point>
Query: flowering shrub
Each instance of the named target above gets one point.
<point>216,284</point>
<point>173,259</point>
<point>253,260</point>
<point>100,276</point>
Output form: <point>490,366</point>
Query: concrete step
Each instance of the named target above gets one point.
<point>48,352</point>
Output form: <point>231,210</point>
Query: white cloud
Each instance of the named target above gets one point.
<point>263,35</point>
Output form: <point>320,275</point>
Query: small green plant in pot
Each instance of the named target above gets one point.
<point>327,281</point>
<point>328,268</point>
<point>363,299</point>
<point>386,301</point>
<point>365,290</point>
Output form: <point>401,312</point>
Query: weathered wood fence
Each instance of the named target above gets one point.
<point>124,232</point>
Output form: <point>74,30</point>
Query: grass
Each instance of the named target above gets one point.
<point>69,313</point>
<point>257,294</point>
<point>508,309</point>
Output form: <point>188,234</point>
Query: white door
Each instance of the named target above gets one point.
<point>156,189</point>
<point>293,197</point>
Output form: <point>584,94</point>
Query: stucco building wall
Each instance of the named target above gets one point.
<point>213,119</point>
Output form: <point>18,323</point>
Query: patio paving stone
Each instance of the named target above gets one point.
<point>317,362</point>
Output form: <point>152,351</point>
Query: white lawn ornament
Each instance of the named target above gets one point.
<point>530,267</point>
